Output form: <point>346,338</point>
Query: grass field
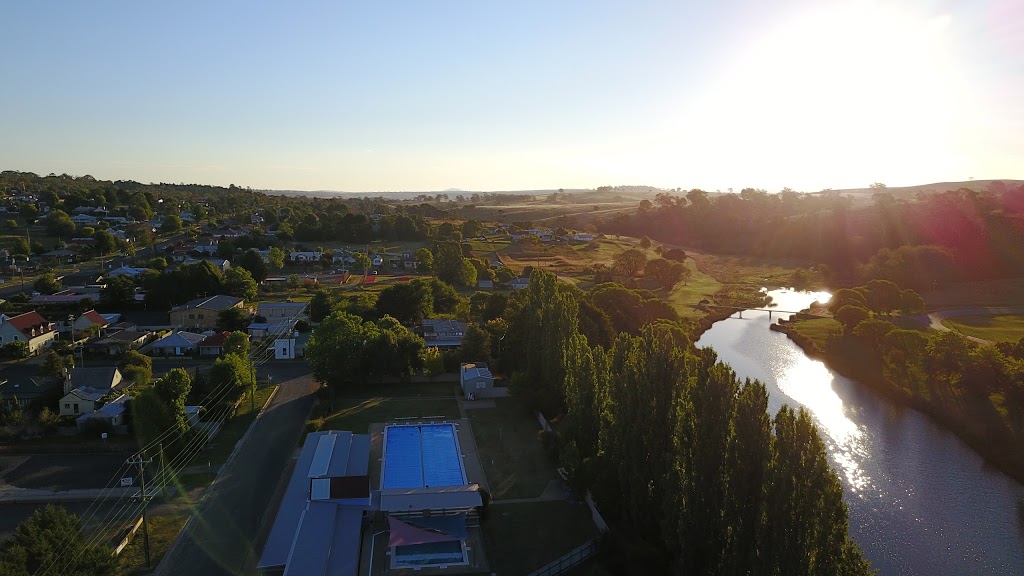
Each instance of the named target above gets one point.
<point>392,401</point>
<point>163,530</point>
<point>817,330</point>
<point>1005,292</point>
<point>685,297</point>
<point>512,455</point>
<point>523,537</point>
<point>1005,328</point>
<point>235,428</point>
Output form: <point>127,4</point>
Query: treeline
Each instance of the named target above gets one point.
<point>965,234</point>
<point>683,458</point>
<point>975,390</point>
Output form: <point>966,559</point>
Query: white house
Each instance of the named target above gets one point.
<point>476,380</point>
<point>111,414</point>
<point>84,388</point>
<point>84,220</point>
<point>177,344</point>
<point>126,271</point>
<point>30,328</point>
<point>578,237</point>
<point>306,256</point>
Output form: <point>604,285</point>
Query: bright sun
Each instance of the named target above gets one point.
<point>859,92</point>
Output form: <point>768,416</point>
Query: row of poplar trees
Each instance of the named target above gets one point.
<point>683,458</point>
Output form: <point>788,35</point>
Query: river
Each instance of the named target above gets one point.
<point>921,501</point>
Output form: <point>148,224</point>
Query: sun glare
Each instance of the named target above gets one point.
<point>831,92</point>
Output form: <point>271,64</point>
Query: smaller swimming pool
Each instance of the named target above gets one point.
<point>422,456</point>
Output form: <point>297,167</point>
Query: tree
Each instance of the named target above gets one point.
<point>276,259</point>
<point>173,389</point>
<point>58,223</point>
<point>629,263</point>
<point>239,282</point>
<point>53,366</point>
<point>47,284</point>
<point>424,261</point>
<point>171,224</point>
<point>21,247</point>
<point>237,343</point>
<point>253,262</point>
<point>883,296</point>
<point>674,254</point>
<point>872,331</point>
<point>666,273</point>
<point>233,319</point>
<point>851,316</point>
<point>119,292</point>
<point>471,228</point>
<point>645,242</point>
<point>846,297</point>
<point>911,302</point>
<point>105,242</point>
<point>136,367</point>
<point>452,266</point>
<point>233,372</point>
<point>52,533</point>
<point>320,306</point>
<point>409,303</point>
<point>362,262</point>
<point>476,344</point>
<point>16,349</point>
<point>335,349</point>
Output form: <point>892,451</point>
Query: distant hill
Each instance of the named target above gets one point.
<point>909,192</point>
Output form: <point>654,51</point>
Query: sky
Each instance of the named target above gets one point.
<point>386,95</point>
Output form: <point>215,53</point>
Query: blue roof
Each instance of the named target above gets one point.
<point>302,531</point>
<point>420,456</point>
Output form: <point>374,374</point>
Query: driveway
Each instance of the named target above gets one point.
<point>219,537</point>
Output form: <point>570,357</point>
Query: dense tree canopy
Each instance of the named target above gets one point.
<point>50,542</point>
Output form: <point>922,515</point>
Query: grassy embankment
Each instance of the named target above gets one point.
<point>383,403</point>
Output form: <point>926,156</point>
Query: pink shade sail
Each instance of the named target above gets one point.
<point>403,534</point>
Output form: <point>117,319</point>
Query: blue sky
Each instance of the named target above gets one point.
<point>386,95</point>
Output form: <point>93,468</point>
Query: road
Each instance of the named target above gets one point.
<point>935,318</point>
<point>218,540</point>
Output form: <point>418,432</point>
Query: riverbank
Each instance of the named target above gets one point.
<point>985,437</point>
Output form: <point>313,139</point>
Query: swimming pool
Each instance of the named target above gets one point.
<point>422,456</point>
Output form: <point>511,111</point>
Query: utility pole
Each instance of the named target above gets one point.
<point>138,461</point>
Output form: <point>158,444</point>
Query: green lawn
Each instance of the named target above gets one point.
<point>512,455</point>
<point>523,537</point>
<point>235,428</point>
<point>1003,328</point>
<point>163,530</point>
<point>700,287</point>
<point>391,401</point>
<point>817,330</point>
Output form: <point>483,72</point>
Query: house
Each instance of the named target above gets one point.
<point>30,328</point>
<point>23,390</point>
<point>120,342</point>
<point>213,345</point>
<point>84,220</point>
<point>126,271</point>
<point>261,330</point>
<point>256,219</point>
<point>443,333</point>
<point>201,313</point>
<point>320,519</point>
<point>89,321</point>
<point>520,283</point>
<point>111,415</point>
<point>582,237</point>
<point>61,254</point>
<point>306,256</point>
<point>476,380</point>
<point>278,311</point>
<point>192,413</point>
<point>218,263</point>
<point>377,261</point>
<point>84,387</point>
<point>485,284</point>
<point>177,344</point>
<point>64,297</point>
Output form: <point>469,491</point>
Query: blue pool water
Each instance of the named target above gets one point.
<point>421,456</point>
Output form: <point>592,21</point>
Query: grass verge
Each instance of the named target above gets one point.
<point>523,537</point>
<point>817,330</point>
<point>235,428</point>
<point>511,452</point>
<point>163,530</point>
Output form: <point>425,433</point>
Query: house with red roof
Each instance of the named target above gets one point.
<point>30,328</point>
<point>213,345</point>
<point>91,320</point>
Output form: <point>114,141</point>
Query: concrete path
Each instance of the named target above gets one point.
<point>553,491</point>
<point>218,539</point>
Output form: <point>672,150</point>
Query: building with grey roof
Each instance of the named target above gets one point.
<point>443,333</point>
<point>201,313</point>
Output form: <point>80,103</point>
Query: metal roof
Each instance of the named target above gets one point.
<point>319,537</point>
<point>440,498</point>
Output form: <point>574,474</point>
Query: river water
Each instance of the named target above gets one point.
<point>921,501</point>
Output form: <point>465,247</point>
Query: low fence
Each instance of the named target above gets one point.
<point>571,559</point>
<point>128,537</point>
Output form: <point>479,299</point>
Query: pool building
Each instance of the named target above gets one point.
<point>415,513</point>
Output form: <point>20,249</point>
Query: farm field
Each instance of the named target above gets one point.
<point>1002,328</point>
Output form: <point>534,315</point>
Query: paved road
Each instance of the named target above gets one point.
<point>218,539</point>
